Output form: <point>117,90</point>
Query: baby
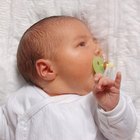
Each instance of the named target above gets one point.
<point>65,99</point>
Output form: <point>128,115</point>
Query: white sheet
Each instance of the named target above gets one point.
<point>115,23</point>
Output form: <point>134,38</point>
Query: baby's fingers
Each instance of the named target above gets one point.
<point>98,77</point>
<point>105,83</point>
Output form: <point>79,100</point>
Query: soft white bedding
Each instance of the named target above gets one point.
<point>116,23</point>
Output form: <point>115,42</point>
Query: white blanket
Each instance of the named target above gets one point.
<point>116,23</point>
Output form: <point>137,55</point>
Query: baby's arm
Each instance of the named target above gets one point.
<point>116,113</point>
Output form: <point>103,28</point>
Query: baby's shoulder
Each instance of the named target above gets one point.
<point>23,100</point>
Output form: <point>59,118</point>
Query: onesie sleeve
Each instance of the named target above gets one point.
<point>4,130</point>
<point>120,123</point>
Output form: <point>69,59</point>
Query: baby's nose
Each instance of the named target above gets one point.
<point>98,52</point>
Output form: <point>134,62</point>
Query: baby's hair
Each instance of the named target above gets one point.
<point>38,42</point>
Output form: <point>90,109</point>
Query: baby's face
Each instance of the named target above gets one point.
<point>74,59</point>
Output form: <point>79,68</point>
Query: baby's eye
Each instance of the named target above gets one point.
<point>82,44</point>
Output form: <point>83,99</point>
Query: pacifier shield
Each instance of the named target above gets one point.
<point>98,65</point>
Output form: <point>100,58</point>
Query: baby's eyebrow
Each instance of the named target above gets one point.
<point>82,37</point>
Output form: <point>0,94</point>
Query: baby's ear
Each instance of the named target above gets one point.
<point>45,69</point>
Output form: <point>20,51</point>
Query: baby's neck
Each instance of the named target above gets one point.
<point>60,88</point>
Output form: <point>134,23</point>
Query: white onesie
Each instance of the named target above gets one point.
<point>31,114</point>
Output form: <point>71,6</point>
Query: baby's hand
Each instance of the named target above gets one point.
<point>107,91</point>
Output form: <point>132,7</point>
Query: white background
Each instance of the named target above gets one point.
<point>116,23</point>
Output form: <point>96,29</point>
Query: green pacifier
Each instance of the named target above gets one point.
<point>98,65</point>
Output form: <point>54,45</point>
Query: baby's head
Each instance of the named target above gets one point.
<point>56,54</point>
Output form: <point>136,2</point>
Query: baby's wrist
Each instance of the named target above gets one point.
<point>111,107</point>
<point>116,114</point>
<point>116,109</point>
<point>107,109</point>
